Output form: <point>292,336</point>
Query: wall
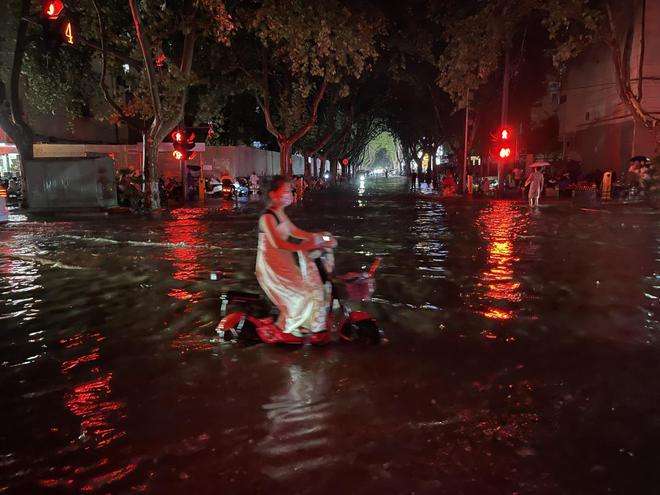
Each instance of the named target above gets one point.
<point>66,183</point>
<point>595,126</point>
<point>215,160</point>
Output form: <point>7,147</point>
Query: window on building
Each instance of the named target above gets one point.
<point>586,116</point>
<point>562,99</point>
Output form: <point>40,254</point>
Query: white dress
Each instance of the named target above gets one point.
<point>292,282</point>
<point>535,181</point>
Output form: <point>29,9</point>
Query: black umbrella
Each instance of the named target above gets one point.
<point>639,158</point>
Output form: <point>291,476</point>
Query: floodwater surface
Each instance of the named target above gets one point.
<point>524,354</point>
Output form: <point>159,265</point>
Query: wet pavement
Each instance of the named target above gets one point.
<point>524,354</point>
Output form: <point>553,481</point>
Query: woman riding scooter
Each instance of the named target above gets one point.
<point>288,274</point>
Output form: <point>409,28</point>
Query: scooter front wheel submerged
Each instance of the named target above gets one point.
<point>360,327</point>
<point>238,328</point>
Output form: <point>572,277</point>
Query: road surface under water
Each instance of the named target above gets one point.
<point>523,355</point>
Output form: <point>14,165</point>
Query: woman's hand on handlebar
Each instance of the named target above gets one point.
<point>327,240</point>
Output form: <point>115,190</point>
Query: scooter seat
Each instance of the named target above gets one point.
<point>244,297</point>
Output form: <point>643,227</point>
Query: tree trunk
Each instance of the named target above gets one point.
<point>307,171</point>
<point>333,170</point>
<point>285,158</point>
<point>11,109</point>
<point>322,166</point>
<point>151,192</point>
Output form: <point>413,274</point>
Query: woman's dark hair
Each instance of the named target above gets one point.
<point>276,182</point>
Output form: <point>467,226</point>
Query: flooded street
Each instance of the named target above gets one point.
<point>524,354</point>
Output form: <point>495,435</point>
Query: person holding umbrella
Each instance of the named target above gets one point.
<point>535,182</point>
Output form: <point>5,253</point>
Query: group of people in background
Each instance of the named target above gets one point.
<point>426,182</point>
<point>562,179</point>
<point>12,185</point>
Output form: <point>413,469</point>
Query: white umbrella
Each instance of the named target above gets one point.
<point>539,164</point>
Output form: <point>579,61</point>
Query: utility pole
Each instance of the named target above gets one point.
<point>465,146</point>
<point>505,105</point>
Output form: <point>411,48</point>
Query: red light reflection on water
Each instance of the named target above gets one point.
<point>185,230</point>
<point>87,358</point>
<point>111,477</point>
<point>499,224</point>
<point>192,342</point>
<point>184,295</point>
<point>89,401</point>
<point>77,340</point>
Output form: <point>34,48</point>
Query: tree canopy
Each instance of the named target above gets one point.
<point>311,76</point>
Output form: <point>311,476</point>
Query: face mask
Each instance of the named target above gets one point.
<point>286,199</point>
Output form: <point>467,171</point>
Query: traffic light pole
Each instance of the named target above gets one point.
<point>465,146</point>
<point>505,107</point>
<point>184,180</point>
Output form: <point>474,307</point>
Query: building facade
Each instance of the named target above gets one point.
<point>595,126</point>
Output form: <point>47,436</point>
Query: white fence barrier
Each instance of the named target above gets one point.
<point>214,160</point>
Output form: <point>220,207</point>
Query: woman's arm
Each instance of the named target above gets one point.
<point>269,227</point>
<point>301,234</point>
<point>316,237</point>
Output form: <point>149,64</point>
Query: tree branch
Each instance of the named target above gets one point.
<point>314,115</point>
<point>622,73</point>
<point>133,122</point>
<point>642,47</point>
<point>145,48</point>
<point>264,103</point>
<point>185,67</point>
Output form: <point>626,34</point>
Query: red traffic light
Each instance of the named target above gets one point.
<point>505,152</point>
<point>344,161</point>
<point>184,155</point>
<point>178,136</point>
<point>504,144</point>
<point>183,143</point>
<point>52,9</point>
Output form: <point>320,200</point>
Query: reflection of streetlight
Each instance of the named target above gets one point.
<point>298,421</point>
<point>361,186</point>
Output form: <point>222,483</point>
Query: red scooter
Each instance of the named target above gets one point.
<point>254,323</point>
